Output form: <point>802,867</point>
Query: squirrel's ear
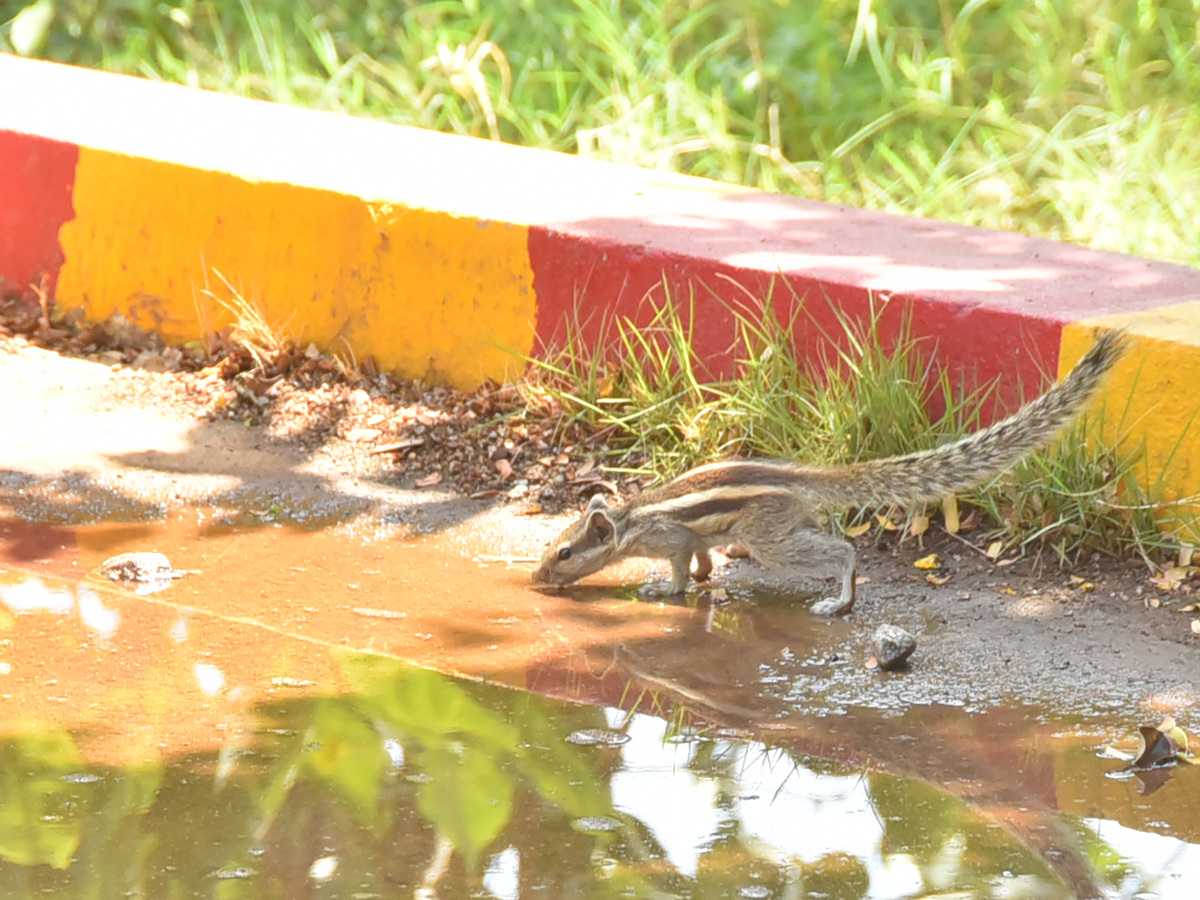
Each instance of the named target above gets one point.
<point>600,527</point>
<point>597,502</point>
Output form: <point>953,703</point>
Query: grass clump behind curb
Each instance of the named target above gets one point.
<point>654,410</point>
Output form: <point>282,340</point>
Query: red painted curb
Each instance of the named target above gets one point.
<point>989,304</point>
<point>36,180</point>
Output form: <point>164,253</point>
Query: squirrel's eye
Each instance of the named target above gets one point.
<point>564,553</point>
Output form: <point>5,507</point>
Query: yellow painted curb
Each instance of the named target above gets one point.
<point>1152,395</point>
<point>317,265</point>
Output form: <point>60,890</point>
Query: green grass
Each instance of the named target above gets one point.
<point>647,403</point>
<point>1076,121</point>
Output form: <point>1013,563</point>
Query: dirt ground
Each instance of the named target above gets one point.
<point>134,434</point>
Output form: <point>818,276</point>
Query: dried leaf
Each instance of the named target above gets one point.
<point>1172,578</point>
<point>969,523</point>
<point>938,580</point>
<point>1190,608</point>
<point>925,563</point>
<point>858,530</point>
<point>950,514</point>
<point>871,663</point>
<point>1082,584</point>
<point>1177,735</point>
<point>1161,745</point>
<point>995,548</point>
<point>504,467</point>
<point>1185,554</point>
<point>918,525</point>
<point>1195,626</point>
<point>429,480</point>
<point>885,523</point>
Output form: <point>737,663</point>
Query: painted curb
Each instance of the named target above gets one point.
<point>456,257</point>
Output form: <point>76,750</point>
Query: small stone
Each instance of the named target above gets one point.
<point>892,646</point>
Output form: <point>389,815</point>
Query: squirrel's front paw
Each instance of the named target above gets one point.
<point>661,591</point>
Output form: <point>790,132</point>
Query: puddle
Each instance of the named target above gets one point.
<point>329,713</point>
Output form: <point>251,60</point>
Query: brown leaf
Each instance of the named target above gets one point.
<point>938,580</point>
<point>429,480</point>
<point>504,467</point>
<point>1172,578</point>
<point>1157,746</point>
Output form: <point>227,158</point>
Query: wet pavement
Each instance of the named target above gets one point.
<point>356,709</point>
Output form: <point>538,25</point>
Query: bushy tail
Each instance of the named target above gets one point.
<point>952,468</point>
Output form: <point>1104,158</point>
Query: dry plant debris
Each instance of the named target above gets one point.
<point>494,442</point>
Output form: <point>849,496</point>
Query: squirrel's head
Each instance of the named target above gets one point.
<point>584,547</point>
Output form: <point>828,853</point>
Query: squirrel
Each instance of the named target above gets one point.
<point>770,507</point>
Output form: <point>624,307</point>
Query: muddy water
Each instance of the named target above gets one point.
<point>339,712</point>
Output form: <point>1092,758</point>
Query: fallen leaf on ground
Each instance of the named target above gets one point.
<point>1172,578</point>
<point>995,548</point>
<point>937,580</point>
<point>885,523</point>
<point>918,525</point>
<point>857,530</point>
<point>932,561</point>
<point>430,480</point>
<point>1161,745</point>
